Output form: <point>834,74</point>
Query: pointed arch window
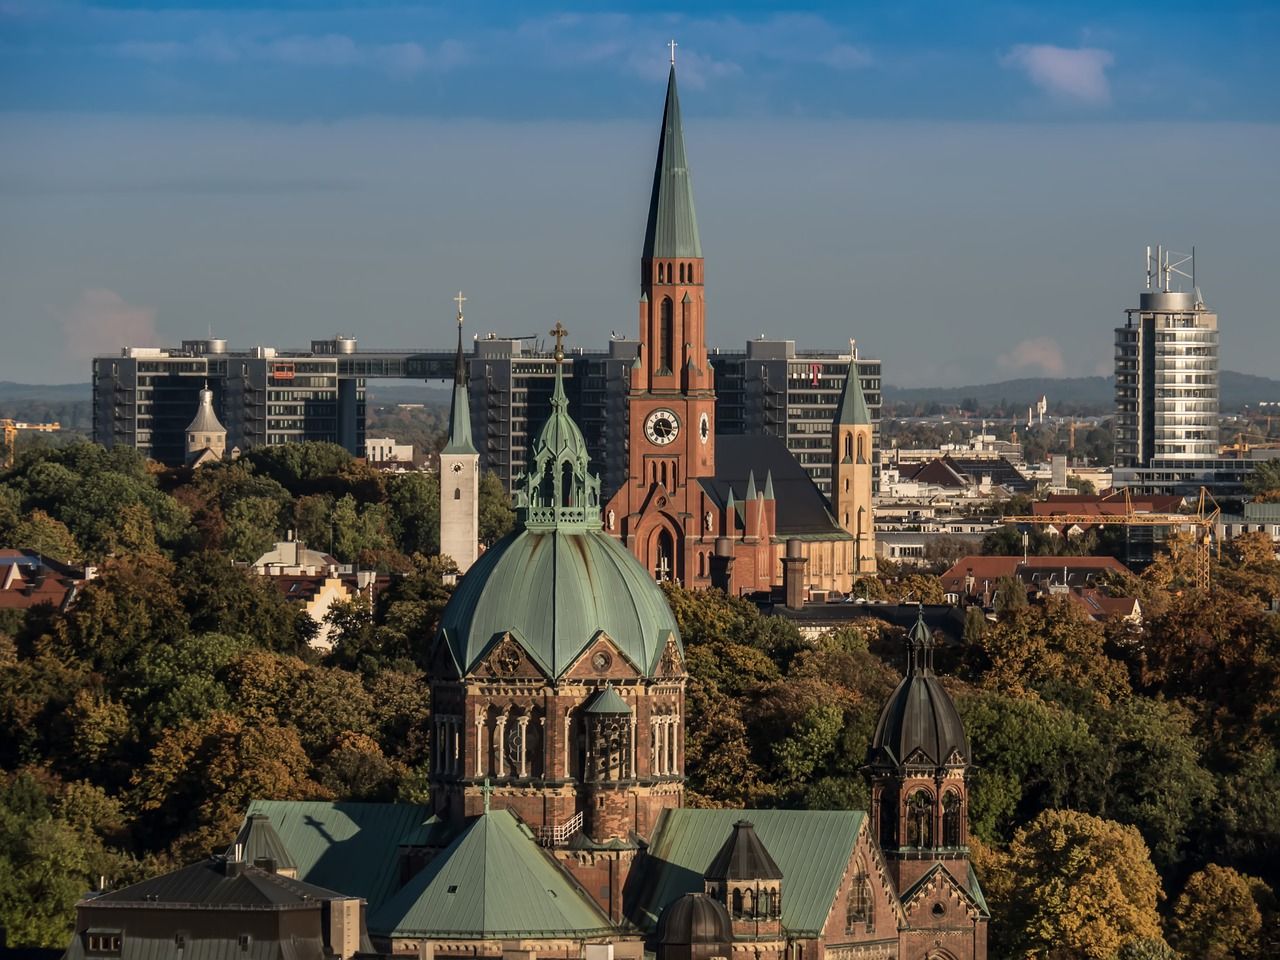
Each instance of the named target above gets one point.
<point>662,273</point>
<point>862,448</point>
<point>858,910</point>
<point>664,560</point>
<point>920,819</point>
<point>666,334</point>
<point>951,805</point>
<point>848,446</point>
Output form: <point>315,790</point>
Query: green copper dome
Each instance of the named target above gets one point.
<point>558,580</point>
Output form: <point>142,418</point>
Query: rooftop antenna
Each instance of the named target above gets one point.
<point>1148,266</point>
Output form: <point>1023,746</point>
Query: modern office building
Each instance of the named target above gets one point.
<point>145,397</point>
<point>1167,371</point>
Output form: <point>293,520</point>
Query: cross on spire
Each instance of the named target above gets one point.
<point>559,332</point>
<point>459,300</point>
<point>673,46</point>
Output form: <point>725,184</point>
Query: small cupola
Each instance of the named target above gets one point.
<point>745,877</point>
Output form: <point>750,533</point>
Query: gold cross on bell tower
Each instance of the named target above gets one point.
<point>559,332</point>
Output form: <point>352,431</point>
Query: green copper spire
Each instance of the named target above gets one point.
<point>853,405</point>
<point>672,230</point>
<point>558,492</point>
<point>460,411</point>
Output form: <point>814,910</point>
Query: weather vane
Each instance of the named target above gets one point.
<point>673,46</point>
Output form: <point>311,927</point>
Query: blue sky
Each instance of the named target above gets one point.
<point>966,189</point>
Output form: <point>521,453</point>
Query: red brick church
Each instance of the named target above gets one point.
<point>708,510</point>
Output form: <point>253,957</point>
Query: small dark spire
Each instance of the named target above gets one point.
<point>920,647</point>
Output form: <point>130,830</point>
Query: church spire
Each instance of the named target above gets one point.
<point>853,409</point>
<point>672,230</point>
<point>460,412</point>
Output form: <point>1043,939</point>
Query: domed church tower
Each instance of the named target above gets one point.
<point>557,681</point>
<point>918,764</point>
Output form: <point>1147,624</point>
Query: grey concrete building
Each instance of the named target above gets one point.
<point>145,397</point>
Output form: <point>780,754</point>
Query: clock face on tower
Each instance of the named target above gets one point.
<point>661,427</point>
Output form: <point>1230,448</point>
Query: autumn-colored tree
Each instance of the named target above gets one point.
<point>199,779</point>
<point>1217,917</point>
<point>357,769</point>
<point>1080,884</point>
<point>1048,647</point>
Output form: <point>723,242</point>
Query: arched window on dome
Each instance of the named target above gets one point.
<point>735,909</point>
<point>920,819</point>
<point>951,804</point>
<point>764,906</point>
<point>566,484</point>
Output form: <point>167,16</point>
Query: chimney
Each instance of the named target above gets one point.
<point>722,565</point>
<point>793,568</point>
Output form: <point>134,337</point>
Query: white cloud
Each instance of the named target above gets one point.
<point>331,50</point>
<point>1040,354</point>
<point>1077,74</point>
<point>100,322</point>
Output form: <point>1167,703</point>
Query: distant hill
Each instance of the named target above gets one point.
<point>45,392</point>
<point>70,404</point>
<point>1096,394</point>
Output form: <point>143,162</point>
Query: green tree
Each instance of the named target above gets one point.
<point>496,517</point>
<point>414,501</point>
<point>253,527</point>
<point>1264,482</point>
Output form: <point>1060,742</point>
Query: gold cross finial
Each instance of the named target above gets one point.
<point>559,332</point>
<point>673,46</point>
<point>459,300</point>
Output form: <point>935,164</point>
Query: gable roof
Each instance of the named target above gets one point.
<point>352,847</point>
<point>812,848</point>
<point>802,511</point>
<point>492,881</point>
<point>970,893</point>
<point>988,568</point>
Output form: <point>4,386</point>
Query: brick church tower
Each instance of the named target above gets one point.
<point>658,513</point>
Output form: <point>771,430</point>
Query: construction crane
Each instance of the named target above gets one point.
<point>1203,521</point>
<point>1250,441</point>
<point>11,428</point>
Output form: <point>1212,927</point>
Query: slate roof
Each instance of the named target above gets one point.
<point>459,438</point>
<point>811,847</point>
<point>743,857</point>
<point>802,510</point>
<point>210,883</point>
<point>352,847</point>
<point>555,590</point>
<point>491,882</point>
<point>672,228</point>
<point>258,840</point>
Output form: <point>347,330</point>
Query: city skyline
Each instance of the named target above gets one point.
<point>369,174</point>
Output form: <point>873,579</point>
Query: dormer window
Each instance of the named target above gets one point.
<point>103,943</point>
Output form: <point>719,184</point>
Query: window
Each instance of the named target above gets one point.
<point>951,819</point>
<point>920,819</point>
<point>457,493</point>
<point>103,942</point>
<point>858,909</point>
<point>736,910</point>
<point>666,335</point>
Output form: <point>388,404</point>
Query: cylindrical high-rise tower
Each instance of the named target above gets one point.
<point>1167,372</point>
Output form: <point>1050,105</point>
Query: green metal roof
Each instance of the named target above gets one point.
<point>853,405</point>
<point>554,591</point>
<point>811,847</point>
<point>491,882</point>
<point>608,701</point>
<point>351,847</point>
<point>672,230</point>
<point>459,440</point>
